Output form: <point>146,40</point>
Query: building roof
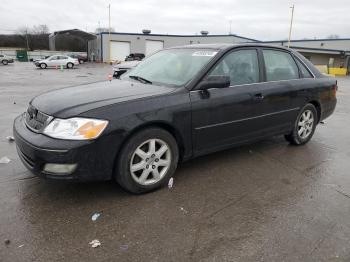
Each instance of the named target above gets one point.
<point>167,35</point>
<point>220,46</point>
<point>320,50</point>
<point>307,40</point>
<point>223,46</point>
<point>75,32</point>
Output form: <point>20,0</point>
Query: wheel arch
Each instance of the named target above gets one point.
<point>157,124</point>
<point>317,105</point>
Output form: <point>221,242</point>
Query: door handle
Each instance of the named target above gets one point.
<point>258,97</point>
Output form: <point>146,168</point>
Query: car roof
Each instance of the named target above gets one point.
<point>225,46</point>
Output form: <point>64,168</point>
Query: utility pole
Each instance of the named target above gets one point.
<point>290,27</point>
<point>27,39</point>
<point>109,33</point>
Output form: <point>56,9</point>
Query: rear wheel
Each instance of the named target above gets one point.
<point>147,160</point>
<point>304,126</point>
<point>70,65</point>
<point>43,66</point>
<point>5,62</point>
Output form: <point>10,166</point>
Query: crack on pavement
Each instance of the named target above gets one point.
<point>227,205</point>
<point>18,179</point>
<point>321,239</point>
<point>308,169</point>
<point>342,193</point>
<point>201,224</point>
<point>214,245</point>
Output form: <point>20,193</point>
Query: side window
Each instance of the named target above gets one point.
<point>304,70</point>
<point>53,58</point>
<point>279,66</point>
<point>241,66</point>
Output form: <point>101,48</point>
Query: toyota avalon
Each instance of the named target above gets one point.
<point>177,104</point>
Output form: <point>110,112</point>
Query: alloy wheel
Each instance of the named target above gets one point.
<point>305,124</point>
<point>150,162</point>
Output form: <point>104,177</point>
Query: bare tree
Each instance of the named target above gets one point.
<point>333,36</point>
<point>36,37</point>
<point>40,30</point>
<point>23,32</point>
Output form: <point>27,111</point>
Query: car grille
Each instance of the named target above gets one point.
<point>36,120</point>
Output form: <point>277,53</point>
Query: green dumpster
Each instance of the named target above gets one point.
<point>22,55</point>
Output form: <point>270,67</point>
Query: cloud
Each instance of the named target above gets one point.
<point>265,20</point>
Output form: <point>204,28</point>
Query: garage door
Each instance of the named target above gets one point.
<point>153,46</point>
<point>119,50</point>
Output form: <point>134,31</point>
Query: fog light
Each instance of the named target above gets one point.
<point>60,169</point>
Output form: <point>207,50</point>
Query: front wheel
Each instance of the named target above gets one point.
<point>147,160</point>
<point>43,66</point>
<point>70,65</point>
<point>5,62</point>
<point>304,126</point>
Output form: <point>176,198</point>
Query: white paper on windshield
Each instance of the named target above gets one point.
<point>204,53</point>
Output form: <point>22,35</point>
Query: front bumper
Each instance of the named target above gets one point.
<point>92,160</point>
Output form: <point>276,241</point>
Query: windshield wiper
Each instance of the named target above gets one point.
<point>141,79</point>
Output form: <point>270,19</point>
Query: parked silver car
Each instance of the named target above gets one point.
<point>4,59</point>
<point>57,61</point>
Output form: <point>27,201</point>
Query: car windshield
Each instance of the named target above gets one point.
<point>174,67</point>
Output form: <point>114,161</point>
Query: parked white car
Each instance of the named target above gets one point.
<point>5,60</point>
<point>57,61</point>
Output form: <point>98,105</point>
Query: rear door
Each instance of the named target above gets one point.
<point>274,97</point>
<point>63,60</point>
<point>53,61</point>
<point>226,116</point>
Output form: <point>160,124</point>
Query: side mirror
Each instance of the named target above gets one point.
<point>218,81</point>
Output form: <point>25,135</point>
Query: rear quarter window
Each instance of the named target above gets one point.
<point>279,65</point>
<point>304,71</point>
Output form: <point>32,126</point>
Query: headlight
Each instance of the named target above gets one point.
<point>75,128</point>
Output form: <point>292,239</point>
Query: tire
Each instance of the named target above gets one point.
<point>70,65</point>
<point>5,62</point>
<point>304,126</point>
<point>155,166</point>
<point>43,66</point>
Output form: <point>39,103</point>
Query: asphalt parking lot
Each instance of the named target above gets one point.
<point>268,201</point>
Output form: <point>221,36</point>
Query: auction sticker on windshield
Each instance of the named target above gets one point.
<point>204,53</point>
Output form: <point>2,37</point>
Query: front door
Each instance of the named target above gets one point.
<point>53,61</point>
<point>225,116</point>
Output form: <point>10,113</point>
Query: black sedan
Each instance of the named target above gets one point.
<point>177,104</point>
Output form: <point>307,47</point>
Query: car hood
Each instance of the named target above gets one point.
<point>72,101</point>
